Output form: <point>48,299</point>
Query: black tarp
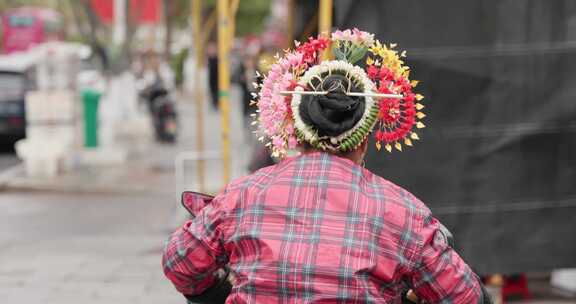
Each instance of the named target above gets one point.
<point>497,162</point>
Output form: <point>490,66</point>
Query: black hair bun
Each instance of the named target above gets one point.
<point>334,113</point>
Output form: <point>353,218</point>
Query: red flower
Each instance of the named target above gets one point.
<point>399,118</point>
<point>379,135</point>
<point>383,88</point>
<point>405,127</point>
<point>311,48</point>
<point>409,97</point>
<point>389,110</point>
<point>372,72</point>
<point>293,85</point>
<point>410,112</point>
<point>400,134</point>
<point>386,74</point>
<point>386,137</point>
<point>410,121</point>
<point>406,87</point>
<point>320,43</point>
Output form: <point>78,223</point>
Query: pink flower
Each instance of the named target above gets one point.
<point>266,92</point>
<point>367,38</point>
<point>287,77</point>
<point>278,142</point>
<point>347,35</point>
<point>278,116</point>
<point>276,68</point>
<point>362,37</point>
<point>292,142</point>
<point>277,99</point>
<point>356,36</point>
<point>274,107</point>
<point>272,76</point>
<point>295,59</point>
<point>266,125</point>
<point>338,35</point>
<point>285,64</point>
<point>285,83</point>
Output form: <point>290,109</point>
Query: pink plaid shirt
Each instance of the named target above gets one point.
<point>318,229</point>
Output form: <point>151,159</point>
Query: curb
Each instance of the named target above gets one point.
<point>12,179</point>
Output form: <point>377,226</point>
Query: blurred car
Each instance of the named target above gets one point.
<point>16,79</point>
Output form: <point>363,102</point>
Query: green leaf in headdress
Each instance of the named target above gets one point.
<point>357,54</point>
<point>338,54</point>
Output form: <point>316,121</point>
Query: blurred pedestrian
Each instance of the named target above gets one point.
<point>319,227</point>
<point>212,54</point>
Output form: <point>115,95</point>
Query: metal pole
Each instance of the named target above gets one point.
<point>198,93</point>
<point>233,10</point>
<point>224,38</point>
<point>325,23</point>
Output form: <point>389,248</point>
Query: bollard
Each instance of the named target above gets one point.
<point>90,99</point>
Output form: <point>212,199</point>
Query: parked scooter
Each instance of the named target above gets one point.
<point>163,112</point>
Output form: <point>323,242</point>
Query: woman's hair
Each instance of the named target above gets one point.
<point>334,113</point>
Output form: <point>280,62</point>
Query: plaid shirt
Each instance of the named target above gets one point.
<point>318,229</point>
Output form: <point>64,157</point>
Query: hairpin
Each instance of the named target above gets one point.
<point>361,94</point>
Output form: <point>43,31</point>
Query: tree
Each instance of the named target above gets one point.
<point>250,15</point>
<point>6,4</point>
<point>98,35</point>
<point>90,29</point>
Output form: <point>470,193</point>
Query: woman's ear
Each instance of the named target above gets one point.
<point>364,146</point>
<point>358,155</point>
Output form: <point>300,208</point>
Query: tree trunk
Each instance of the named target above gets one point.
<point>80,9</point>
<point>168,16</point>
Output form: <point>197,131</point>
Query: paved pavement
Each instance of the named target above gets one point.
<point>8,160</point>
<point>62,248</point>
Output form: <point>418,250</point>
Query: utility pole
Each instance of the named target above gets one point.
<point>168,8</point>
<point>325,23</point>
<point>196,11</point>
<point>224,41</point>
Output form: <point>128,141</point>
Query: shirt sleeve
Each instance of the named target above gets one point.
<point>195,252</point>
<point>440,275</point>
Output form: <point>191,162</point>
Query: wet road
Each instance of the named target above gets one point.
<point>88,248</point>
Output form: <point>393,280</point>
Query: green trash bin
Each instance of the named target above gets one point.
<point>90,99</point>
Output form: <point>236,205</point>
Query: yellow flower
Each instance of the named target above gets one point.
<point>376,48</point>
<point>369,61</point>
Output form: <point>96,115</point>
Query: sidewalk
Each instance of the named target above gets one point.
<point>153,170</point>
<point>135,176</point>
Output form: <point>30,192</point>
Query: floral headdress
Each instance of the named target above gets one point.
<point>391,107</point>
